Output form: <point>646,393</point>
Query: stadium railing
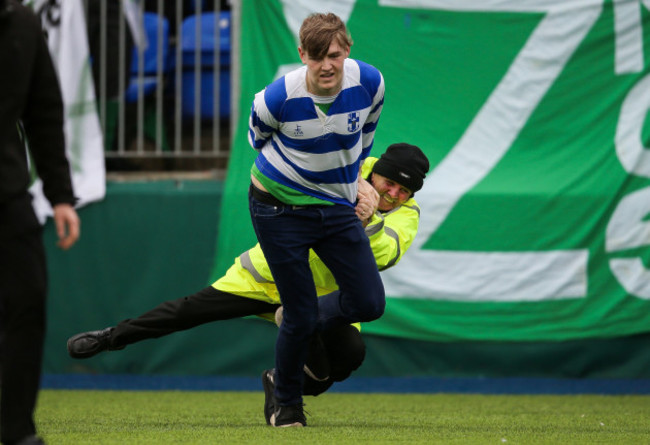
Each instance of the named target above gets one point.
<point>168,115</point>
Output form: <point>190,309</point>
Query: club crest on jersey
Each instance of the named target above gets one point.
<point>298,131</point>
<point>353,121</point>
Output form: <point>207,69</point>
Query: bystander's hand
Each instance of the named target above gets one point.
<point>67,225</point>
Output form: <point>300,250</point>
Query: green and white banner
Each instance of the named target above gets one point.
<point>535,220</point>
<point>65,25</point>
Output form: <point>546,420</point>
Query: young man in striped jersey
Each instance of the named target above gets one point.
<point>313,128</point>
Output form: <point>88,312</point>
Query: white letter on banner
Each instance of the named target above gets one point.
<point>490,276</point>
<point>632,275</point>
<point>627,230</point>
<point>496,276</point>
<point>296,11</point>
<point>629,37</point>
<point>629,145</point>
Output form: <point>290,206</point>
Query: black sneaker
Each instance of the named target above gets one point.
<point>90,343</point>
<point>288,416</point>
<point>269,398</point>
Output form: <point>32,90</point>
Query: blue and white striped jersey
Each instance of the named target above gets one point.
<point>306,150</point>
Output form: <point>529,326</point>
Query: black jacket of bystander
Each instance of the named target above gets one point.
<point>30,99</point>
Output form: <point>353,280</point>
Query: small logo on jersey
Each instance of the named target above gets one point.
<point>353,121</point>
<point>298,131</point>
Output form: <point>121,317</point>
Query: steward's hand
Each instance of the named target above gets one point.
<point>368,200</point>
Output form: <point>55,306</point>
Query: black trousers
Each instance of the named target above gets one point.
<point>23,284</point>
<point>343,346</point>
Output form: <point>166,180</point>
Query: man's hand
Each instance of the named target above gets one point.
<point>368,200</point>
<point>67,225</point>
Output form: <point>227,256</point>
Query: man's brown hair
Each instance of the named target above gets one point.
<point>319,30</point>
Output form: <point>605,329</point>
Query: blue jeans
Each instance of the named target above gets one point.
<point>286,233</point>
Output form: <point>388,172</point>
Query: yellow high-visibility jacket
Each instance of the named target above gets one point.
<point>390,235</point>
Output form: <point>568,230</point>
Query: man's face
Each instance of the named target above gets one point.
<point>325,76</point>
<point>391,193</point>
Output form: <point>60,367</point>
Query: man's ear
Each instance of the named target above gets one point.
<point>303,55</point>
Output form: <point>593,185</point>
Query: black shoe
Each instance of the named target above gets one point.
<point>90,343</point>
<point>288,416</point>
<point>269,398</point>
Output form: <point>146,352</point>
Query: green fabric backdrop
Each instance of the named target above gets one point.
<point>153,241</point>
<point>532,256</point>
<point>534,115</point>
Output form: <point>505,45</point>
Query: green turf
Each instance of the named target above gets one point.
<point>175,417</point>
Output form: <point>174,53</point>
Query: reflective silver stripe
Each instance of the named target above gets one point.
<point>416,208</point>
<point>371,229</point>
<point>390,232</point>
<point>413,207</point>
<point>246,263</point>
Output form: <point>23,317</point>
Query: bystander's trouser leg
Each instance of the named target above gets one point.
<point>23,294</point>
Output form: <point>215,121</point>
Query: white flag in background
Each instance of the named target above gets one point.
<point>65,25</point>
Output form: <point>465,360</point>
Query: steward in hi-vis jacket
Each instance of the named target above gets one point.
<point>333,354</point>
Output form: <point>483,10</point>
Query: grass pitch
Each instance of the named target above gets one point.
<point>188,417</point>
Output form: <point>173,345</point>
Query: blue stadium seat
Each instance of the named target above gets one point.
<point>207,49</point>
<point>150,57</point>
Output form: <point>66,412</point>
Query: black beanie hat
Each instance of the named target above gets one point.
<point>404,164</point>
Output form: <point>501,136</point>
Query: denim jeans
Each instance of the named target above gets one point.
<point>286,233</point>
